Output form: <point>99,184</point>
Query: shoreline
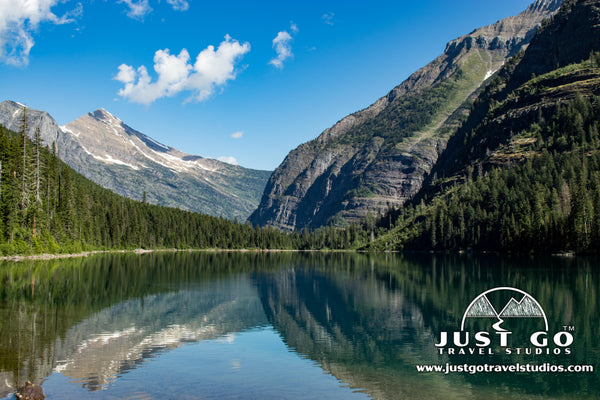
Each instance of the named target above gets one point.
<point>49,256</point>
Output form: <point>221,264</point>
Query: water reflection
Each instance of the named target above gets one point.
<point>371,322</point>
<point>94,319</point>
<point>366,319</point>
<point>111,342</point>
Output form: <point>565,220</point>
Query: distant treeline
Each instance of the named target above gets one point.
<point>46,207</point>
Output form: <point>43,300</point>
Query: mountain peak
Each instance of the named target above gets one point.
<point>544,5</point>
<point>14,103</point>
<point>508,31</point>
<point>102,115</point>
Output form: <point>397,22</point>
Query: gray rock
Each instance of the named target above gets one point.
<point>30,392</point>
<point>379,157</point>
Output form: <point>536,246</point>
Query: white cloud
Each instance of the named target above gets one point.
<point>228,160</point>
<point>126,73</point>
<point>237,135</point>
<point>328,18</point>
<point>176,74</point>
<point>19,19</point>
<point>137,9</point>
<point>283,47</point>
<point>179,5</point>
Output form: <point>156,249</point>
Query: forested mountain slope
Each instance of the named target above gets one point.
<point>523,172</point>
<point>377,158</point>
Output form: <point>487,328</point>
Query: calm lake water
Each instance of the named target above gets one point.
<point>297,326</point>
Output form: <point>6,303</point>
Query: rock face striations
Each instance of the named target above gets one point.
<point>520,174</point>
<point>489,132</point>
<point>378,157</point>
<point>104,149</point>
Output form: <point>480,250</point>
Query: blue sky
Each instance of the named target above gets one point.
<point>246,81</point>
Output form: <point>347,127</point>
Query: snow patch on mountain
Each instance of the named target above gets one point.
<point>67,130</point>
<point>109,159</point>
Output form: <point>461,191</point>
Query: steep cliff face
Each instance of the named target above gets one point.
<point>378,157</point>
<point>521,174</point>
<point>11,117</point>
<point>104,149</point>
<point>568,38</point>
<point>515,100</point>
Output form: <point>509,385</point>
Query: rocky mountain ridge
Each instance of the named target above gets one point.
<point>378,157</point>
<point>522,173</point>
<point>109,152</point>
<point>566,40</point>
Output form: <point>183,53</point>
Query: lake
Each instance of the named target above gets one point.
<point>232,325</point>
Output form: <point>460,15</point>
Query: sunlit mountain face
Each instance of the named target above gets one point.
<point>106,150</point>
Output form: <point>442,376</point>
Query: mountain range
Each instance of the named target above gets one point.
<point>377,158</point>
<point>104,149</point>
<point>493,145</point>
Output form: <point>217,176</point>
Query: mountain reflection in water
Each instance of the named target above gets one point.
<point>365,319</point>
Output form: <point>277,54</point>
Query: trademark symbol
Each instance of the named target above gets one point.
<point>568,328</point>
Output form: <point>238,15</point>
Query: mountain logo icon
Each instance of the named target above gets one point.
<point>520,305</point>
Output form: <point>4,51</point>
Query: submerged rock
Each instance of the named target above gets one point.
<point>30,392</point>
